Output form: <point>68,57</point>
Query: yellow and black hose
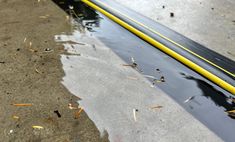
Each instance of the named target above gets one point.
<point>211,71</point>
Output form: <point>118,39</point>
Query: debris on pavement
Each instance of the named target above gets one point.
<point>30,44</point>
<point>37,71</point>
<point>25,104</point>
<point>155,80</point>
<point>189,99</point>
<point>172,14</point>
<point>163,6</point>
<point>158,70</point>
<point>2,62</point>
<point>130,65</point>
<point>25,39</point>
<point>77,113</point>
<point>48,50</point>
<point>133,65</point>
<point>132,78</point>
<point>156,107</point>
<point>149,76</point>
<point>162,79</point>
<point>72,107</point>
<point>134,114</point>
<point>44,16</point>
<point>15,117</point>
<point>11,131</point>
<point>57,113</point>
<point>231,113</point>
<point>67,18</point>
<point>37,127</point>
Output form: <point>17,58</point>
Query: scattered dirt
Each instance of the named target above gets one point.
<point>22,32</point>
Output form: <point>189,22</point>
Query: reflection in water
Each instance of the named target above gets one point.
<point>211,93</point>
<point>87,17</point>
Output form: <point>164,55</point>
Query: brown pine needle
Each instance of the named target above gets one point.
<point>26,104</point>
<point>77,114</point>
<point>156,107</point>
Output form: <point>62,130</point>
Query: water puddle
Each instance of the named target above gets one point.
<point>92,69</point>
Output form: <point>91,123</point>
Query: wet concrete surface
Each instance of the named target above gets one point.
<point>119,99</point>
<point>177,86</point>
<point>31,74</point>
<point>98,67</point>
<point>209,23</point>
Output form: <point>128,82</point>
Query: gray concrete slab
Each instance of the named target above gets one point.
<point>208,22</point>
<point>110,92</point>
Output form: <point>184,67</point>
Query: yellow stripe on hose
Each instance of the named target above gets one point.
<point>223,84</point>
